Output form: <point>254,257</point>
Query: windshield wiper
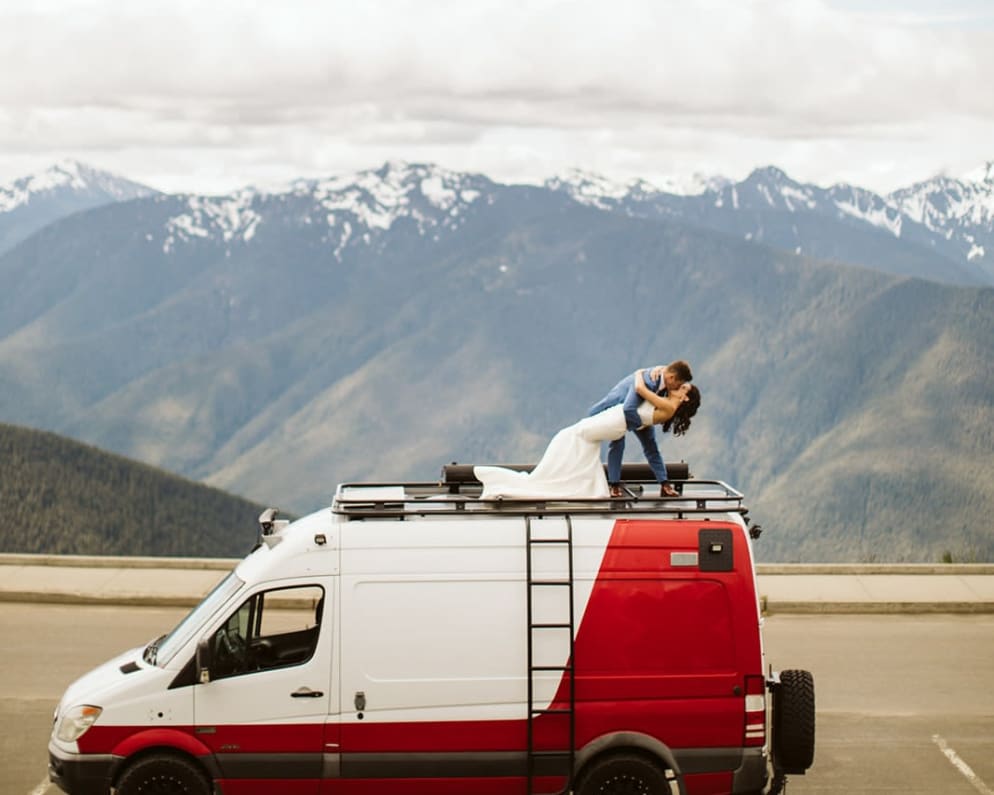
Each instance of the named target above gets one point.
<point>152,649</point>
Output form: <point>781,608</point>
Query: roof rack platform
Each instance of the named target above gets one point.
<point>457,493</point>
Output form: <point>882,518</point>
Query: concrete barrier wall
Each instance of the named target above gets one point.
<point>226,564</point>
<point>784,588</point>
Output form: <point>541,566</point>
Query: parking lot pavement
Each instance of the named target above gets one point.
<point>898,754</point>
<point>905,703</point>
<point>46,647</point>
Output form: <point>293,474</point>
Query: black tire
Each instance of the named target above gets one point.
<point>794,722</point>
<point>622,774</point>
<point>163,774</point>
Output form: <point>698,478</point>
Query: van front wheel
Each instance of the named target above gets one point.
<point>623,774</point>
<point>162,774</point>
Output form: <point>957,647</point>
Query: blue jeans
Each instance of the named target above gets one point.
<point>647,436</point>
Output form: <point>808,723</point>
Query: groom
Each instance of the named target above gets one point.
<point>660,380</point>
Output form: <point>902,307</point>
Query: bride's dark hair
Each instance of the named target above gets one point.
<point>680,421</point>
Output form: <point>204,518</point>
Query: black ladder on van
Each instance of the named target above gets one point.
<point>565,714</point>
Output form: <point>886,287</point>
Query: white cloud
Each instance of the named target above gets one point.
<point>216,95</point>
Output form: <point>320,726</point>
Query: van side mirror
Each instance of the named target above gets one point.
<point>204,661</point>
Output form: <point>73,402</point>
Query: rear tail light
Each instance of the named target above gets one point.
<point>755,711</point>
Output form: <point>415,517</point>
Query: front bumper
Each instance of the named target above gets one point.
<point>78,774</point>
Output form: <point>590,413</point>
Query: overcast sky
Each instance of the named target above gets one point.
<point>188,95</point>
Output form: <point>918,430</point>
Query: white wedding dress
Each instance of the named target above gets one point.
<point>571,465</point>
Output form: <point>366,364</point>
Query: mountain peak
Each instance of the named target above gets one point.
<point>351,206</point>
<point>588,187</point>
<point>401,170</point>
<point>694,185</point>
<point>66,172</point>
<point>597,190</point>
<point>983,174</point>
<point>396,188</point>
<point>770,174</point>
<point>70,177</point>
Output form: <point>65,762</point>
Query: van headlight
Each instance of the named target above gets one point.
<point>76,721</point>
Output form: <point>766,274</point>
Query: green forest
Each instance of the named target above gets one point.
<point>59,496</point>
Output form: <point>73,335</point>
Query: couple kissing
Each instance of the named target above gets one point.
<point>571,465</point>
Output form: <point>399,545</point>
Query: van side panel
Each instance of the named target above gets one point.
<point>435,635</point>
<point>434,618</point>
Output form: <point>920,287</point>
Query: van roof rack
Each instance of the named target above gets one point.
<point>457,493</point>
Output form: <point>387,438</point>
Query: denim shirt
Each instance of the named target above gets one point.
<point>624,393</point>
<point>632,399</point>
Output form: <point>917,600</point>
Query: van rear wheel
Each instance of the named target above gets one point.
<point>622,774</point>
<point>163,774</point>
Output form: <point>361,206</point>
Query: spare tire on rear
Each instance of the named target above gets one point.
<point>794,722</point>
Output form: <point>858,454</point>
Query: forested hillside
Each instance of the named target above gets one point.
<point>60,496</point>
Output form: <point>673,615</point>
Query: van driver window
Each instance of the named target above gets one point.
<point>273,629</point>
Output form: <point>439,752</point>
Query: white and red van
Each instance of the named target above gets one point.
<point>415,640</point>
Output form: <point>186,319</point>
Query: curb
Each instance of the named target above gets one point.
<point>226,564</point>
<point>768,608</point>
<point>876,608</point>
<point>172,591</point>
<point>117,562</point>
<point>95,600</point>
<point>788,569</point>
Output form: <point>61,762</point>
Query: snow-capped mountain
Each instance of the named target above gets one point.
<point>427,194</point>
<point>29,203</point>
<point>69,177</point>
<point>942,229</point>
<point>596,190</point>
<point>348,209</point>
<point>959,210</point>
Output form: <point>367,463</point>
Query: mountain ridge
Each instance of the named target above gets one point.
<point>276,343</point>
<point>950,220</point>
<point>768,205</point>
<point>30,203</point>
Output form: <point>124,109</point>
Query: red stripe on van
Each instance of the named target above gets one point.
<point>254,738</point>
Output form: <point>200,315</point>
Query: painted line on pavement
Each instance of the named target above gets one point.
<point>961,766</point>
<point>41,789</point>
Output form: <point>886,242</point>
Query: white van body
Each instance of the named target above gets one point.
<point>428,643</point>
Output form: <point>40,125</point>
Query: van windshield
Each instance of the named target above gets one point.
<point>161,651</point>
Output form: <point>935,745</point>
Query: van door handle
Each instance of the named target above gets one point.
<point>306,692</point>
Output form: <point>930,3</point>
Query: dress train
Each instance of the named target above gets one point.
<point>570,468</point>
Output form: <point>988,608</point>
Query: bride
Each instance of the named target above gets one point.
<point>571,465</point>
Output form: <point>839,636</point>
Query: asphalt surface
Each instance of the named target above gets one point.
<point>905,702</point>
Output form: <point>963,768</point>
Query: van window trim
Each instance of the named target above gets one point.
<point>260,591</point>
<point>199,617</point>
